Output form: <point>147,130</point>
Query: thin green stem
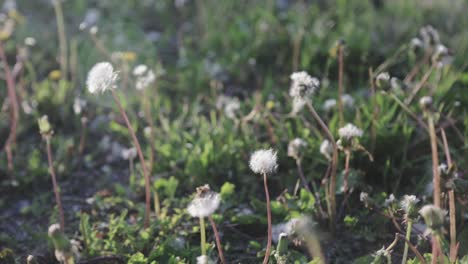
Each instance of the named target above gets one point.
<point>408,236</point>
<point>202,236</point>
<point>435,159</point>
<point>54,182</point>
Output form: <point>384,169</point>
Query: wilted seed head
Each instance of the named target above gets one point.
<point>349,132</point>
<point>429,35</point>
<point>263,161</point>
<point>54,230</point>
<point>326,148</point>
<point>408,204</point>
<point>205,202</point>
<point>44,126</point>
<point>416,43</point>
<point>434,218</point>
<point>389,201</point>
<point>303,85</point>
<point>144,76</point>
<point>382,80</point>
<point>329,104</point>
<point>425,102</point>
<point>101,78</point>
<point>295,148</point>
<point>443,169</point>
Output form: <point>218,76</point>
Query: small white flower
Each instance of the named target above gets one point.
<point>350,131</point>
<point>329,104</point>
<point>326,148</point>
<point>347,100</point>
<point>229,104</point>
<point>363,197</point>
<point>101,78</point>
<point>144,76</point>
<point>263,161</point>
<point>295,147</point>
<point>205,202</point>
<point>303,85</point>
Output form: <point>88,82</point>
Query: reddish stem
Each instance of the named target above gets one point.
<point>267,194</point>
<point>218,240</point>
<point>340,83</point>
<point>140,155</point>
<point>54,182</point>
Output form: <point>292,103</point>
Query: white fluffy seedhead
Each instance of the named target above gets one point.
<point>326,148</point>
<point>263,161</point>
<point>144,76</point>
<point>295,148</point>
<point>101,78</point>
<point>303,85</point>
<point>329,104</point>
<point>350,131</point>
<point>205,202</point>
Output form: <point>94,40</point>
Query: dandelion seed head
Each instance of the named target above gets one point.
<point>204,259</point>
<point>144,76</point>
<point>205,202</point>
<point>347,100</point>
<point>303,85</point>
<point>298,105</point>
<point>129,154</point>
<point>433,217</point>
<point>263,161</point>
<point>101,78</point>
<point>425,102</point>
<point>329,104</point>
<point>408,204</point>
<point>295,147</point>
<point>350,131</point>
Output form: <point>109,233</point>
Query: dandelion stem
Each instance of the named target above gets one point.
<point>157,207</point>
<point>301,175</point>
<point>140,155</point>
<point>408,237</point>
<point>13,102</point>
<point>62,38</point>
<point>267,194</point>
<point>218,240</point>
<point>334,161</point>
<point>202,236</point>
<point>346,172</point>
<point>435,159</point>
<point>54,182</point>
<point>452,208</point>
<point>340,83</point>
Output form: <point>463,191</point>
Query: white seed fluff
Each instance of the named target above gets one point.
<point>329,104</point>
<point>347,100</point>
<point>350,131</point>
<point>263,161</point>
<point>204,204</point>
<point>408,202</point>
<point>295,147</point>
<point>326,149</point>
<point>144,76</point>
<point>303,85</point>
<point>204,259</point>
<point>101,78</point>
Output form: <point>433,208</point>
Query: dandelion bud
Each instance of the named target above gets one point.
<point>63,247</point>
<point>295,148</point>
<point>263,161</point>
<point>326,148</point>
<point>425,102</point>
<point>205,202</point>
<point>101,78</point>
<point>44,126</point>
<point>408,204</point>
<point>434,218</point>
